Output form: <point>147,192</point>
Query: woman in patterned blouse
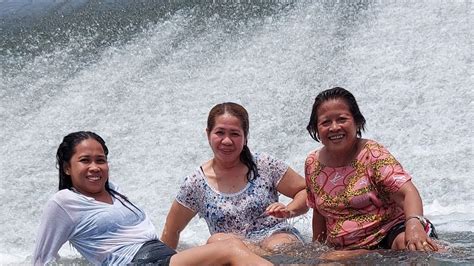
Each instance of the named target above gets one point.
<point>360,194</point>
<point>236,191</point>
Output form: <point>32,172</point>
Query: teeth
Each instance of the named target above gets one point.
<point>336,137</point>
<point>94,178</point>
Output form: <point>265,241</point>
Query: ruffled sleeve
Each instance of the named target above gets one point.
<point>190,193</point>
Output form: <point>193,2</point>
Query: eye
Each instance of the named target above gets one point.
<point>235,134</point>
<point>325,123</point>
<point>102,160</point>
<point>84,160</point>
<point>342,119</point>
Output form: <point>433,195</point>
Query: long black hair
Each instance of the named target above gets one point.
<point>66,150</point>
<point>335,93</point>
<point>239,112</point>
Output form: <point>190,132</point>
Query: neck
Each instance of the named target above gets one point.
<point>234,170</point>
<point>342,158</point>
<point>103,196</point>
<point>225,166</point>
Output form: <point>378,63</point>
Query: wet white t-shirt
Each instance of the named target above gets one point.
<point>103,233</point>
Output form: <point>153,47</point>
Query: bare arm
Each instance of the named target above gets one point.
<point>177,219</point>
<point>293,186</point>
<point>408,198</point>
<point>319,227</point>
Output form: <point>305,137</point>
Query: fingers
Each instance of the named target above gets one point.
<point>275,207</point>
<point>431,243</point>
<point>278,210</point>
<point>411,246</point>
<point>427,245</point>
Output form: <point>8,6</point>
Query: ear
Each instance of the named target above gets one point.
<point>208,135</point>
<point>66,168</point>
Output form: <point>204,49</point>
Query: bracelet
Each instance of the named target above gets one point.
<point>419,217</point>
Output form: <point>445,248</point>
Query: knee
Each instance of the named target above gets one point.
<point>278,240</point>
<point>399,242</point>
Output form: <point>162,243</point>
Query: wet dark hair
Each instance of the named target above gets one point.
<point>239,112</point>
<point>66,150</point>
<point>331,94</point>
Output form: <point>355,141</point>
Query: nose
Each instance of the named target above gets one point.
<point>334,126</point>
<point>94,167</point>
<point>226,140</point>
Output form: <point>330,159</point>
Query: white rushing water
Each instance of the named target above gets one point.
<point>409,64</point>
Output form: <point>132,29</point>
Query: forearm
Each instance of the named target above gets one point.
<point>177,219</point>
<point>412,204</point>
<point>319,227</point>
<point>298,205</point>
<point>170,237</point>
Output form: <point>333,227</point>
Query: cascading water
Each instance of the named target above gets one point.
<point>144,74</point>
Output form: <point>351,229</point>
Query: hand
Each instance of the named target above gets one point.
<point>278,210</point>
<point>416,237</point>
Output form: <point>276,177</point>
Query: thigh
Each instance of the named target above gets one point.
<point>221,236</point>
<point>231,251</point>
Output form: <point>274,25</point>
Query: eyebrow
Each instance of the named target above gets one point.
<point>231,129</point>
<point>88,155</point>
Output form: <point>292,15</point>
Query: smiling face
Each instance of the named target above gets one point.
<point>336,127</point>
<point>88,168</point>
<point>226,138</point>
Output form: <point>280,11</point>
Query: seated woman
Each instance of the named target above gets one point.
<point>361,196</point>
<point>236,191</point>
<point>106,227</point>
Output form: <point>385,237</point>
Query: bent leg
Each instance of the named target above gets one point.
<point>231,251</point>
<point>344,254</point>
<point>226,236</point>
<point>222,236</point>
<point>399,242</point>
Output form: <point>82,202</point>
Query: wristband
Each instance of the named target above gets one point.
<point>420,218</point>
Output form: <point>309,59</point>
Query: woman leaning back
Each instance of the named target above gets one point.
<point>361,196</point>
<point>104,225</point>
<point>236,191</point>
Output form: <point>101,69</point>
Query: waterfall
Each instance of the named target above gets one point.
<point>144,75</point>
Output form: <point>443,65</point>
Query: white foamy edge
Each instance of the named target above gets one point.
<point>454,217</point>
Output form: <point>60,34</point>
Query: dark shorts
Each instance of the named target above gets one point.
<point>399,228</point>
<point>153,252</point>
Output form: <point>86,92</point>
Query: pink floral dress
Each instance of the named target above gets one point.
<point>355,199</point>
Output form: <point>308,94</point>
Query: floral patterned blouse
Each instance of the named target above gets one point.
<point>242,212</point>
<point>355,199</point>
